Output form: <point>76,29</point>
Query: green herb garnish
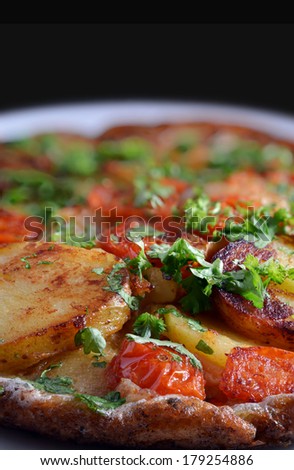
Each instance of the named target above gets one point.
<point>100,364</point>
<point>98,271</point>
<point>149,326</point>
<point>200,212</point>
<point>203,347</point>
<point>101,404</point>
<point>63,385</point>
<point>140,263</point>
<point>91,339</point>
<point>148,191</point>
<point>25,260</point>
<point>115,279</point>
<point>249,281</point>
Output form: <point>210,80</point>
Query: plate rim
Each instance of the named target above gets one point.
<point>91,118</point>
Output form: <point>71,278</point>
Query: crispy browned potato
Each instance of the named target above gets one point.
<point>48,292</point>
<point>274,323</point>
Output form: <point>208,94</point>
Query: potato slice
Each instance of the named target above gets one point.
<point>48,292</point>
<point>274,323</point>
<point>164,290</point>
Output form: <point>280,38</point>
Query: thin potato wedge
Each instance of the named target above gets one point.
<point>48,292</point>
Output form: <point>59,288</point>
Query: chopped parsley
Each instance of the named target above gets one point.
<point>63,236</point>
<point>177,256</point>
<point>63,385</point>
<point>100,364</point>
<point>1,390</point>
<point>271,270</point>
<point>195,325</point>
<point>241,154</point>
<point>115,279</point>
<point>129,149</point>
<point>200,212</point>
<point>25,260</point>
<point>45,262</point>
<point>98,271</point>
<point>136,234</point>
<point>195,300</point>
<point>148,191</point>
<point>101,404</point>
<point>149,326</point>
<point>167,344</point>
<point>259,226</point>
<point>140,263</point>
<point>204,347</point>
<point>250,280</point>
<point>158,251</point>
<point>167,310</point>
<point>91,339</point>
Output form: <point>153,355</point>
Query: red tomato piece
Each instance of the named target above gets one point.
<point>251,374</point>
<point>156,368</point>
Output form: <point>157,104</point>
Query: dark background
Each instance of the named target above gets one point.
<point>248,64</point>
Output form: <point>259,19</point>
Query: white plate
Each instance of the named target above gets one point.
<point>91,119</point>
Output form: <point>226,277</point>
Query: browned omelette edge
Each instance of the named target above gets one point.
<point>171,421</point>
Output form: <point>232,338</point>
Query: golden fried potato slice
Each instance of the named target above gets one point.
<point>48,292</point>
<point>274,323</point>
<point>87,371</point>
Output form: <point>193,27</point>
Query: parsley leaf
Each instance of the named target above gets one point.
<point>136,234</point>
<point>271,270</point>
<point>204,347</point>
<point>178,255</point>
<point>100,364</point>
<point>166,310</point>
<point>62,385</point>
<point>158,251</point>
<point>62,236</point>
<point>200,212</point>
<point>1,390</point>
<point>259,226</point>
<point>101,404</point>
<point>195,325</point>
<point>25,258</point>
<point>195,300</point>
<point>167,344</point>
<point>140,263</point>
<point>148,191</point>
<point>98,271</point>
<point>129,149</point>
<point>250,280</point>
<point>148,326</point>
<point>115,279</point>
<point>91,339</point>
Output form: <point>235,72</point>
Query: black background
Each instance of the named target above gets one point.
<point>248,64</point>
